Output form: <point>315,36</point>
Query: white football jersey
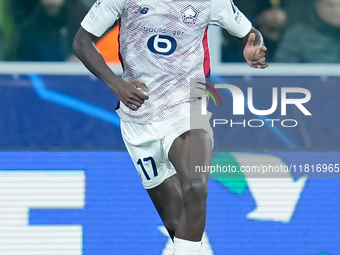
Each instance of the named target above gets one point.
<point>163,43</point>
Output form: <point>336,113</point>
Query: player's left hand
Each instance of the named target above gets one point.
<point>254,55</point>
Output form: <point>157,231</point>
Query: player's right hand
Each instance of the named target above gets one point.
<point>129,94</point>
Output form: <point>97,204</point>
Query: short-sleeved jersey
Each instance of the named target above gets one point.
<point>163,43</point>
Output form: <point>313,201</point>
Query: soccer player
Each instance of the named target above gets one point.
<point>163,43</point>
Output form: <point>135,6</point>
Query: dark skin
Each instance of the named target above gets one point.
<point>181,199</point>
<point>127,92</point>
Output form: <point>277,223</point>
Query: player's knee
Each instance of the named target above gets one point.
<point>195,190</point>
<point>171,225</point>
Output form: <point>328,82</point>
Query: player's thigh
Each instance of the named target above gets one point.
<point>189,152</point>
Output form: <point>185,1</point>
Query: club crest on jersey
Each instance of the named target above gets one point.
<point>189,15</point>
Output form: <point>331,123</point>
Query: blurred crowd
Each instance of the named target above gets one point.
<point>304,31</point>
<point>39,30</point>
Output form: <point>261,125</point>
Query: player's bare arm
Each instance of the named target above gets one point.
<point>84,48</point>
<point>254,49</point>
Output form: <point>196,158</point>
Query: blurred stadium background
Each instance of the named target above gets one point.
<point>68,186</point>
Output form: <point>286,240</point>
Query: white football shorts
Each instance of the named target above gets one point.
<point>149,145</point>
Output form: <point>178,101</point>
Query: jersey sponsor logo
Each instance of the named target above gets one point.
<point>162,44</point>
<point>165,31</point>
<point>189,15</point>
